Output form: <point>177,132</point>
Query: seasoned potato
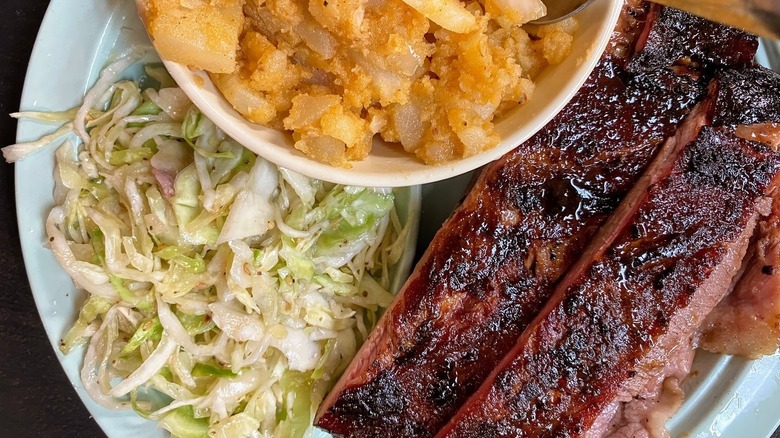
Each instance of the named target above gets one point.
<point>252,104</point>
<point>449,14</point>
<point>431,75</point>
<point>346,135</point>
<point>516,11</point>
<point>198,33</point>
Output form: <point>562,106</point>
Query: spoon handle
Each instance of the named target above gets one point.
<point>761,17</point>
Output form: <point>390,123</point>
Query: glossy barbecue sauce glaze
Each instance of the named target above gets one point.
<point>649,290</point>
<point>495,262</point>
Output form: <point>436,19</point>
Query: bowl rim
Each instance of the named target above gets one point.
<point>405,169</point>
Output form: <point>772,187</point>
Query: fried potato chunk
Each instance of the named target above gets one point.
<point>449,14</point>
<point>516,11</point>
<point>197,33</point>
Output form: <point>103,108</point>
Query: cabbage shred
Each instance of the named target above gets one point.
<point>225,294</point>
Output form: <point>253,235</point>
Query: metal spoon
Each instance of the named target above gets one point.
<point>761,17</point>
<point>559,10</point>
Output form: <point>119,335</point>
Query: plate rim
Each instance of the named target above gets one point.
<point>98,415</point>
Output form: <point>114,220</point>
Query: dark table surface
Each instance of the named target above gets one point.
<point>36,400</point>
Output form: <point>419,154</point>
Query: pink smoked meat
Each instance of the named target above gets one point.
<point>747,322</point>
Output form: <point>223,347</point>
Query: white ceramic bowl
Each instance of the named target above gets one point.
<point>388,165</point>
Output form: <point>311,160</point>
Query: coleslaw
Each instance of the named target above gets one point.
<point>225,294</point>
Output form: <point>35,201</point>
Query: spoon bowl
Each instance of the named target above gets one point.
<point>760,17</point>
<point>559,10</point>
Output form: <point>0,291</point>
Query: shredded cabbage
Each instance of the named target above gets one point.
<point>225,294</point>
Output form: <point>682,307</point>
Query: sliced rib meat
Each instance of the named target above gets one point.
<point>605,335</point>
<point>676,38</point>
<point>747,322</point>
<point>645,416</point>
<point>495,262</point>
<point>746,97</point>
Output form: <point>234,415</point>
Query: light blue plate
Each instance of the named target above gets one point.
<point>727,397</point>
<point>57,80</point>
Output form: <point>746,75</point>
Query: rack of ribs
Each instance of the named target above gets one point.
<point>612,326</point>
<point>496,261</point>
